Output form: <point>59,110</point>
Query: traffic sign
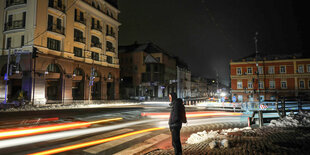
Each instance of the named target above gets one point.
<point>234,99</point>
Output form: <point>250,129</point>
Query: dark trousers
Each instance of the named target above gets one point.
<point>176,142</point>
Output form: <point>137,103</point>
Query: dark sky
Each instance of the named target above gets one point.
<point>206,34</point>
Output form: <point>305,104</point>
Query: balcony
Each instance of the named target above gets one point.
<point>18,24</point>
<point>110,49</point>
<point>96,44</point>
<point>15,2</point>
<point>96,27</point>
<point>58,6</point>
<point>112,34</point>
<point>80,39</point>
<point>56,28</point>
<point>80,20</point>
<point>99,9</point>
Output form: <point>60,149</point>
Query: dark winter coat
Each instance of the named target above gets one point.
<point>177,114</point>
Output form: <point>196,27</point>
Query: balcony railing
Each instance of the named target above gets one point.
<point>99,9</point>
<point>80,20</point>
<point>80,39</point>
<point>18,24</point>
<point>15,2</point>
<point>59,6</point>
<point>94,44</point>
<point>112,34</point>
<point>97,27</point>
<point>57,29</point>
<point>110,49</point>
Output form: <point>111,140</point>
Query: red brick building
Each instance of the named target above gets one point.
<point>275,75</point>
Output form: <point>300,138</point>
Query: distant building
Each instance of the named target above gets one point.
<point>146,71</point>
<point>74,39</point>
<point>183,79</point>
<point>275,75</point>
<point>199,86</point>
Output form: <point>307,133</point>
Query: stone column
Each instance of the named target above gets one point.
<point>103,89</point>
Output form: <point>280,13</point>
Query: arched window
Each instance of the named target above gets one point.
<point>78,71</point>
<point>53,68</point>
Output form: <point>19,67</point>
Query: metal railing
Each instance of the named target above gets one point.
<point>55,5</point>
<point>99,9</point>
<point>80,39</point>
<point>97,27</point>
<point>80,20</point>
<point>56,28</point>
<point>110,49</point>
<point>94,44</point>
<point>15,2</point>
<point>17,24</point>
<point>112,34</point>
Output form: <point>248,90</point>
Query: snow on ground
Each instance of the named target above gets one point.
<point>203,136</point>
<point>218,138</point>
<point>299,120</point>
<point>63,106</point>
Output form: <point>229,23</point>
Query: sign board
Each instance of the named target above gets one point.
<point>234,99</point>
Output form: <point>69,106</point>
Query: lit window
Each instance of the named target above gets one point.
<point>260,70</point>
<point>282,69</point>
<point>250,85</point>
<point>271,70</point>
<point>250,71</point>
<point>239,71</point>
<point>272,84</point>
<point>261,85</point>
<point>239,85</point>
<point>301,84</point>
<point>300,68</point>
<point>283,85</point>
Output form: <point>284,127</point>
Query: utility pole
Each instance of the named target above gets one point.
<point>260,114</point>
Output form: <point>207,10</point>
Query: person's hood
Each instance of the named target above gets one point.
<point>173,97</point>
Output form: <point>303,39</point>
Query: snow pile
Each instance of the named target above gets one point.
<point>203,136</point>
<point>299,120</point>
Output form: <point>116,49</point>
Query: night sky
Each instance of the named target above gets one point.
<point>207,34</point>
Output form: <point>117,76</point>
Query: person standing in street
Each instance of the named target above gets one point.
<point>177,117</point>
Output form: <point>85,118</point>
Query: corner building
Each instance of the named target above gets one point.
<point>75,39</point>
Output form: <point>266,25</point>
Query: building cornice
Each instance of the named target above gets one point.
<point>268,61</point>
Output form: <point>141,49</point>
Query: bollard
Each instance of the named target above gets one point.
<point>283,107</point>
<point>260,118</point>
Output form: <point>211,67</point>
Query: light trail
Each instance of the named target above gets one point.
<point>192,114</point>
<point>65,134</point>
<point>19,132</point>
<point>91,143</point>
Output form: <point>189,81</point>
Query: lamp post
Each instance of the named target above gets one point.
<point>6,77</point>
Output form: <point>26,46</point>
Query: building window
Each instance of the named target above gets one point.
<point>282,69</point>
<point>53,44</point>
<point>260,70</point>
<point>239,71</point>
<point>78,36</point>
<point>77,52</point>
<point>22,40</point>
<point>301,84</point>
<point>8,42</point>
<point>250,85</point>
<point>95,42</point>
<point>239,85</point>
<point>109,59</point>
<point>53,68</point>
<point>300,68</point>
<point>110,47</point>
<point>272,85</point>
<point>271,69</point>
<point>250,70</point>
<point>283,84</point>
<point>308,68</point>
<point>95,56</point>
<point>240,98</point>
<point>261,85</point>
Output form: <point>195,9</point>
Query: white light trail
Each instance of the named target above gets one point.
<point>54,136</point>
